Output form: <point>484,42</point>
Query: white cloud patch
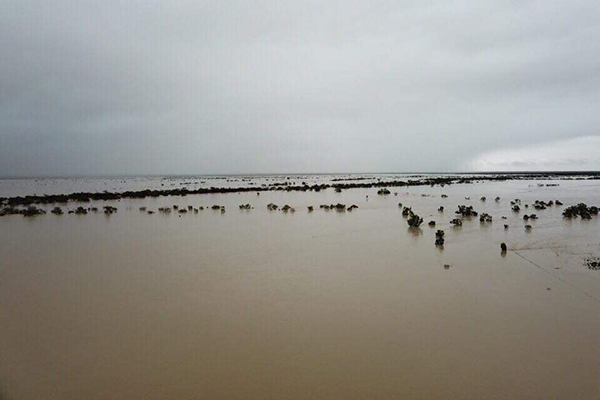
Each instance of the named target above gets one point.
<point>580,154</point>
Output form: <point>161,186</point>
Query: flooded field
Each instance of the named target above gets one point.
<point>261,304</point>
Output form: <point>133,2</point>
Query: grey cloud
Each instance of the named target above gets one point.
<point>115,87</point>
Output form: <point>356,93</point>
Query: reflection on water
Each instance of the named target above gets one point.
<point>266,304</point>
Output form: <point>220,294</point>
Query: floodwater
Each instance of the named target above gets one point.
<point>258,304</point>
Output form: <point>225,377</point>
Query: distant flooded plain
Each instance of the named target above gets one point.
<point>260,304</point>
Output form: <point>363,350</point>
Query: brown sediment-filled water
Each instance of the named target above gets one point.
<point>259,304</point>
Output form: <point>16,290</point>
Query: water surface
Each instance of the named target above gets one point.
<point>260,304</point>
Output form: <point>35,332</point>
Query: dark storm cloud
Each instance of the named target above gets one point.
<point>105,87</point>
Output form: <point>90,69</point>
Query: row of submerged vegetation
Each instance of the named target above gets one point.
<point>337,186</point>
<point>413,220</point>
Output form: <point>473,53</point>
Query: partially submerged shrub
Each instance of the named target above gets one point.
<point>414,221</point>
<point>581,210</point>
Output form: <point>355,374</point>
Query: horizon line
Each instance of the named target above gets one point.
<point>113,176</point>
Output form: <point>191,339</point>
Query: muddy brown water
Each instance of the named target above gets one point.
<point>324,305</point>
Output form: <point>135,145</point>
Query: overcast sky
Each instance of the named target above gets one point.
<point>186,87</point>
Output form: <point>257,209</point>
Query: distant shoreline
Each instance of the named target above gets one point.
<point>299,174</point>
